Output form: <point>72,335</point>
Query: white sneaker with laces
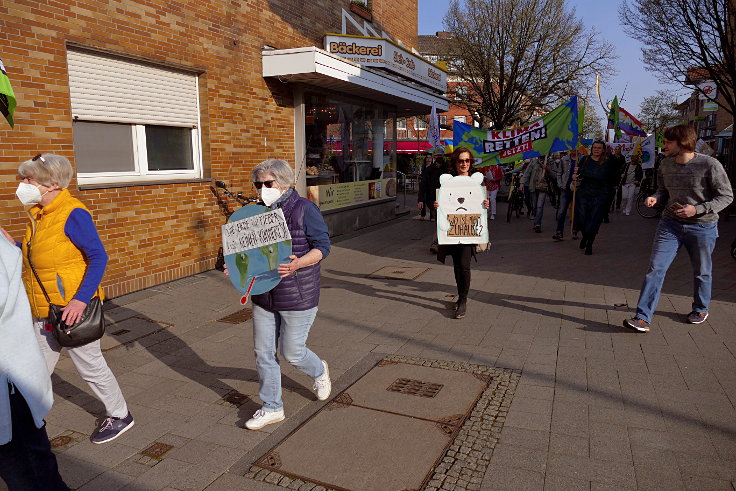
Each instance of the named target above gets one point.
<point>322,385</point>
<point>262,418</point>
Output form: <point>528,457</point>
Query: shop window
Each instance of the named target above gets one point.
<point>133,122</point>
<point>348,140</point>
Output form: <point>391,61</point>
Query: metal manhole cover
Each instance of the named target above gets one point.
<point>415,387</point>
<point>399,273</point>
<point>237,317</point>
<point>157,450</point>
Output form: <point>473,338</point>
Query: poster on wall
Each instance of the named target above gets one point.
<point>461,218</point>
<point>333,196</point>
<point>255,240</point>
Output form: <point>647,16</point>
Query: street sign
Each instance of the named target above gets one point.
<point>710,107</point>
<point>708,90</point>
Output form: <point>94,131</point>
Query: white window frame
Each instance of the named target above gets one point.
<point>141,173</point>
<point>401,123</point>
<point>443,118</point>
<point>419,123</point>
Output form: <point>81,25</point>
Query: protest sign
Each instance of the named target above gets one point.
<point>254,242</point>
<point>644,147</point>
<point>461,218</point>
<point>557,131</point>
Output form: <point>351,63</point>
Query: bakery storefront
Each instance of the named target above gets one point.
<point>347,99</point>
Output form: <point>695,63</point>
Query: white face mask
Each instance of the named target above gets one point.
<point>269,195</point>
<point>28,194</point>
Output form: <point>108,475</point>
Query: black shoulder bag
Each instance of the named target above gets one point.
<point>90,327</point>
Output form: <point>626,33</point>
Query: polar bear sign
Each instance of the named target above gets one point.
<point>461,218</point>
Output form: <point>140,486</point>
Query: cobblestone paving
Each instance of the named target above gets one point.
<point>467,458</point>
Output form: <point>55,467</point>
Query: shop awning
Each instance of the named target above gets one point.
<point>314,66</point>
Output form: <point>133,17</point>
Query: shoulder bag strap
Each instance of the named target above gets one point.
<point>36,274</point>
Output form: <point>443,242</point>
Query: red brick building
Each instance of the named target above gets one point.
<point>153,100</point>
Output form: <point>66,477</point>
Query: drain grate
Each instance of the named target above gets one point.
<point>415,387</point>
<point>157,450</point>
<point>237,317</point>
<point>61,441</point>
<point>398,273</point>
<point>233,399</point>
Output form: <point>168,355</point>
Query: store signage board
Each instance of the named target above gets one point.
<point>333,196</point>
<point>461,218</point>
<point>710,107</point>
<point>382,53</point>
<point>255,240</point>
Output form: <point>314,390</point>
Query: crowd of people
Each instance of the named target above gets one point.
<point>61,261</point>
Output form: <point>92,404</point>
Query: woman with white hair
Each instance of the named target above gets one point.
<point>283,316</point>
<point>64,248</point>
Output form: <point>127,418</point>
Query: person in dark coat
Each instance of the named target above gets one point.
<point>461,164</point>
<point>283,316</point>
<point>596,177</point>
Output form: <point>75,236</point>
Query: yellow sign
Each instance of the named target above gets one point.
<point>332,196</point>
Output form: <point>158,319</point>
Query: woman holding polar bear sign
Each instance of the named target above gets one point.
<point>461,164</point>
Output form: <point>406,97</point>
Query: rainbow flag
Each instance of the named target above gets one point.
<point>629,124</point>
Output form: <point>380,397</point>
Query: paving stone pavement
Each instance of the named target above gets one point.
<point>596,407</point>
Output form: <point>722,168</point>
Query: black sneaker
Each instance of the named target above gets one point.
<point>637,324</point>
<point>112,428</point>
<point>697,317</point>
<point>460,311</point>
<point>538,229</point>
<point>558,237</point>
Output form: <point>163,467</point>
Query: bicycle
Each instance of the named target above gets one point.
<point>516,198</point>
<point>239,198</point>
<point>646,190</point>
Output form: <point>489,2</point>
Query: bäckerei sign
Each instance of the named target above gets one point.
<point>382,53</point>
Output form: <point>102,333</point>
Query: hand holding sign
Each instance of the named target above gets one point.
<point>255,242</point>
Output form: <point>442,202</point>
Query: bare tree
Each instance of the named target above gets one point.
<point>517,58</point>
<point>592,126</point>
<point>659,111</point>
<point>682,38</point>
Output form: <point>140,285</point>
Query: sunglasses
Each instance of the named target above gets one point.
<point>260,184</point>
<point>38,157</point>
<point>464,161</point>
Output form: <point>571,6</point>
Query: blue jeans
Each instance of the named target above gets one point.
<point>289,329</point>
<point>565,200</point>
<point>539,198</point>
<point>699,240</point>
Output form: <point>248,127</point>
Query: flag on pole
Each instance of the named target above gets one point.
<point>433,135</point>
<point>7,97</point>
<point>556,131</point>
<point>613,120</point>
<point>629,124</point>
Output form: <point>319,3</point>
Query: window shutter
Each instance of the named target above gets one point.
<point>107,88</point>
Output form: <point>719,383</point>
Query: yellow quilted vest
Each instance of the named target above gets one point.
<point>57,261</point>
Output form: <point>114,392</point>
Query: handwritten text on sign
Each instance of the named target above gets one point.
<point>463,225</point>
<point>256,231</point>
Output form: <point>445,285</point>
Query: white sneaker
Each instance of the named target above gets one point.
<point>322,385</point>
<point>262,418</point>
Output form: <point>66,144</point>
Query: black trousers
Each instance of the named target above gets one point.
<point>461,255</point>
<point>589,213</point>
<point>27,462</point>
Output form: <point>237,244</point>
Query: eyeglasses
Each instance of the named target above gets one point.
<point>260,184</point>
<point>38,157</point>
<point>464,161</point>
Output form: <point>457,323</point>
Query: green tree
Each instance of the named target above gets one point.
<point>659,111</point>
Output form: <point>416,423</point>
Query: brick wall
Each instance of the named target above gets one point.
<point>157,233</point>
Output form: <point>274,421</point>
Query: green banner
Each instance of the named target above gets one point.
<point>7,97</point>
<point>557,131</point>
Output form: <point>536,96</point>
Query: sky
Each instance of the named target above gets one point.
<point>603,15</point>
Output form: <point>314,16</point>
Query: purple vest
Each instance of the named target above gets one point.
<point>299,291</point>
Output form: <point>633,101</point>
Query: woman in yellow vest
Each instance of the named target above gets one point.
<point>63,246</point>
